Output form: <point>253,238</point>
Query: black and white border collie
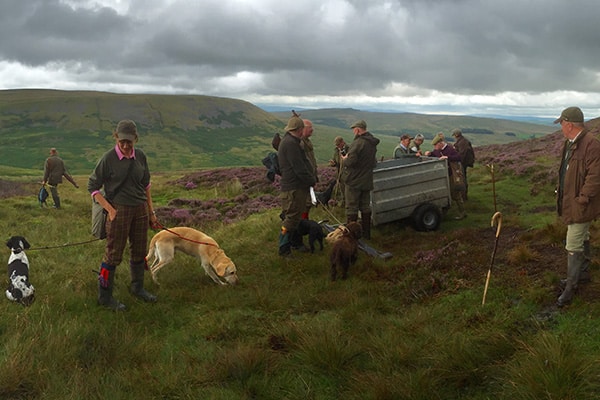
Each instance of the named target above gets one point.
<point>19,288</point>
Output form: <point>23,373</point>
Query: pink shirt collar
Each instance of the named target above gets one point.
<point>120,153</point>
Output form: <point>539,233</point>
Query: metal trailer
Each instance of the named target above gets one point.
<point>412,187</point>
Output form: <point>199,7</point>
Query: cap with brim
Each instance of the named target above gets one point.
<point>570,114</point>
<point>436,140</point>
<point>406,137</point>
<point>359,124</point>
<point>456,132</point>
<point>294,124</point>
<point>127,130</point>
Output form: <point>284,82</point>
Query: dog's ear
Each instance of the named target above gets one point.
<point>224,267</point>
<point>26,244</point>
<point>356,229</point>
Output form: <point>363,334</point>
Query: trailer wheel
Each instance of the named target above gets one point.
<point>427,217</point>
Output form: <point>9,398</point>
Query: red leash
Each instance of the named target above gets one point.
<point>161,226</point>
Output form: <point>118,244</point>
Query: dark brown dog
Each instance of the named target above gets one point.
<point>344,251</point>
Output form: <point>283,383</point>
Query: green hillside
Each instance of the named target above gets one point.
<point>189,132</point>
<point>178,132</point>
<point>480,131</point>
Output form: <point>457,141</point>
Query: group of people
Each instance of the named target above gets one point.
<point>578,190</point>
<point>460,156</point>
<point>354,163</point>
<point>120,183</point>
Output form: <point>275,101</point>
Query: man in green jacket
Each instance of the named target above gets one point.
<point>54,170</point>
<point>297,176</point>
<point>578,196</point>
<point>358,175</point>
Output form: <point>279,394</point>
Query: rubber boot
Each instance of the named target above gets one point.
<point>366,225</point>
<point>351,218</point>
<point>106,281</point>
<point>584,273</point>
<point>285,247</point>
<point>137,282</point>
<point>574,262</point>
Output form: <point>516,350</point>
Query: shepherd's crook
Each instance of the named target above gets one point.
<point>496,218</point>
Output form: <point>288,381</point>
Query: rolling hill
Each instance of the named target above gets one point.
<point>188,132</point>
<point>481,131</point>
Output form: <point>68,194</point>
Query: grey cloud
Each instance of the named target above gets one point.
<point>331,47</point>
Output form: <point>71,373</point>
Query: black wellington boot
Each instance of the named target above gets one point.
<point>137,282</point>
<point>106,282</point>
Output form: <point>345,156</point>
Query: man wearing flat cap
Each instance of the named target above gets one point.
<point>578,196</point>
<point>297,177</point>
<point>358,175</point>
<point>403,149</point>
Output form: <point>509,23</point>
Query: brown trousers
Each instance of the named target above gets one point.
<point>131,223</point>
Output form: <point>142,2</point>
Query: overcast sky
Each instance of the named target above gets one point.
<point>510,57</point>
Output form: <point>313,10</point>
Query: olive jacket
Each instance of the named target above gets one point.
<point>358,166</point>
<point>296,170</point>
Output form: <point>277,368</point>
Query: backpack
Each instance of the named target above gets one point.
<point>271,162</point>
<point>42,196</point>
<point>99,215</point>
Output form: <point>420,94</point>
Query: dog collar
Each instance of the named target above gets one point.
<point>17,250</point>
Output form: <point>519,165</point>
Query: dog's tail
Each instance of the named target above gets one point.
<point>151,250</point>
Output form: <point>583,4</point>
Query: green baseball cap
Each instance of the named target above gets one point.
<point>570,114</point>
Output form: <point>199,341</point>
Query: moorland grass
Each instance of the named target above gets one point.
<point>286,332</point>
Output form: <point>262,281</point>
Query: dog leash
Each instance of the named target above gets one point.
<point>62,245</point>
<point>161,226</point>
<point>326,208</point>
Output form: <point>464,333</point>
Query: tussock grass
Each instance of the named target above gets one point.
<point>556,367</point>
<point>520,254</point>
<point>397,329</point>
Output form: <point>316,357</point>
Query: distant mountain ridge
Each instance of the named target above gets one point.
<point>480,130</point>
<point>190,132</point>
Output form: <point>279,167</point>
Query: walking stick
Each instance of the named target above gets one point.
<point>497,217</point>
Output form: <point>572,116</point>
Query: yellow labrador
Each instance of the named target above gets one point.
<point>194,243</point>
